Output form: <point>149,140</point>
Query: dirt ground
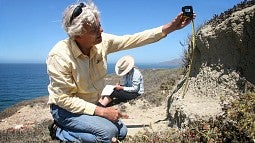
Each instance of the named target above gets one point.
<point>142,117</point>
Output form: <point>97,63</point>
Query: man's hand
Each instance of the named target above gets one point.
<point>178,22</point>
<point>109,113</point>
<point>119,87</point>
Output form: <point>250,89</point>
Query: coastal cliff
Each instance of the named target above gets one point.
<point>223,67</point>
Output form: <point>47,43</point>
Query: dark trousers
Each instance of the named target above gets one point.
<point>119,96</point>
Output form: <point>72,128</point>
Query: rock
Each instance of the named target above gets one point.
<point>17,127</point>
<point>223,64</point>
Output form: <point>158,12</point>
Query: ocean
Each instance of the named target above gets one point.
<point>19,82</point>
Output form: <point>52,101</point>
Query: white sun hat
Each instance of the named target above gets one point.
<point>124,65</point>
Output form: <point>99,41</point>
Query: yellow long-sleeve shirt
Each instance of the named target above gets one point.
<point>77,80</point>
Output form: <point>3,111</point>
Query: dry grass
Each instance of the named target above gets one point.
<point>13,109</point>
<point>37,134</point>
<point>236,125</point>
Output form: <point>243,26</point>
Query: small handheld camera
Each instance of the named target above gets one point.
<point>187,11</point>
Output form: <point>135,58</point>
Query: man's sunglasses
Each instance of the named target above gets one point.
<point>77,11</point>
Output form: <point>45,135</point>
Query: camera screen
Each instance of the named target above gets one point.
<point>187,10</point>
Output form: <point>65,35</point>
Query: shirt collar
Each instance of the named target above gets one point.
<point>75,49</point>
<point>93,51</point>
<point>77,52</point>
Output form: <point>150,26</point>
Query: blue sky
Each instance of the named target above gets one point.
<point>30,28</point>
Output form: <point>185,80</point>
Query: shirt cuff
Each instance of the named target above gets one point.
<point>125,89</point>
<point>90,109</point>
<point>160,33</point>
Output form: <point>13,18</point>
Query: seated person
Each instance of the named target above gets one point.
<point>133,83</point>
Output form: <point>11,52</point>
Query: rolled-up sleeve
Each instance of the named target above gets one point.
<point>118,43</point>
<point>62,88</point>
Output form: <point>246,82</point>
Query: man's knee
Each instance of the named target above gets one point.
<point>106,134</point>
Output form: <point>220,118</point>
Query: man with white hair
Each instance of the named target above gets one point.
<point>77,67</point>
